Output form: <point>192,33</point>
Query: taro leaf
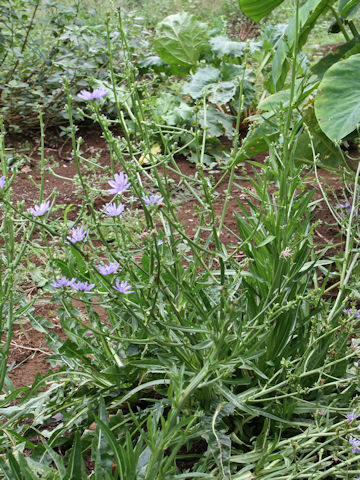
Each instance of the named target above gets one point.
<point>349,8</point>
<point>258,9</point>
<point>303,152</point>
<point>340,52</point>
<point>222,45</point>
<point>337,103</point>
<point>281,100</point>
<point>308,15</point>
<point>180,39</point>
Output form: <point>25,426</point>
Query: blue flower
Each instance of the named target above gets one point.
<point>123,287</point>
<point>39,210</point>
<point>77,235</point>
<point>120,184</point>
<point>83,286</point>
<point>2,181</point>
<point>351,416</point>
<point>108,269</point>
<point>63,282</point>
<point>113,210</point>
<point>97,93</point>
<point>153,200</point>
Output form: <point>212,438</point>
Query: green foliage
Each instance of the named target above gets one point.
<point>258,10</point>
<point>228,359</point>
<point>180,39</point>
<point>337,103</point>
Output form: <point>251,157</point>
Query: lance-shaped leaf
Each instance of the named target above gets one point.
<point>337,103</point>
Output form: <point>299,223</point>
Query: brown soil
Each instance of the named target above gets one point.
<point>28,349</point>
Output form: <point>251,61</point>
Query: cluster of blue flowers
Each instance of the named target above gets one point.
<point>113,209</point>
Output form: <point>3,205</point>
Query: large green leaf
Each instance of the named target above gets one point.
<point>222,45</point>
<point>220,86</point>
<point>308,16</point>
<point>258,9</point>
<point>337,103</point>
<point>349,8</point>
<point>180,39</point>
<point>339,53</point>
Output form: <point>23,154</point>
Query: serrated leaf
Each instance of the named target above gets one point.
<point>180,39</point>
<point>76,464</point>
<point>337,103</point>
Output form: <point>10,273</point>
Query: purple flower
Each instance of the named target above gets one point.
<point>120,184</point>
<point>77,235</point>
<point>63,282</point>
<point>348,310</point>
<point>123,287</point>
<point>344,205</point>
<point>39,210</point>
<point>2,182</point>
<point>97,93</point>
<point>354,441</point>
<point>58,417</point>
<point>351,416</point>
<point>159,242</point>
<point>108,269</point>
<point>113,210</point>
<point>356,364</point>
<point>153,200</point>
<point>83,286</point>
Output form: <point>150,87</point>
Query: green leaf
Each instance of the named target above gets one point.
<point>259,138</point>
<point>218,123</point>
<point>349,8</point>
<point>337,103</point>
<point>308,15</point>
<point>76,464</point>
<point>341,51</point>
<point>220,86</point>
<point>221,45</point>
<point>258,9</point>
<point>201,79</point>
<point>101,452</point>
<point>180,39</point>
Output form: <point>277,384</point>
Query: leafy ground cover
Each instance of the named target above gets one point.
<point>197,304</point>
